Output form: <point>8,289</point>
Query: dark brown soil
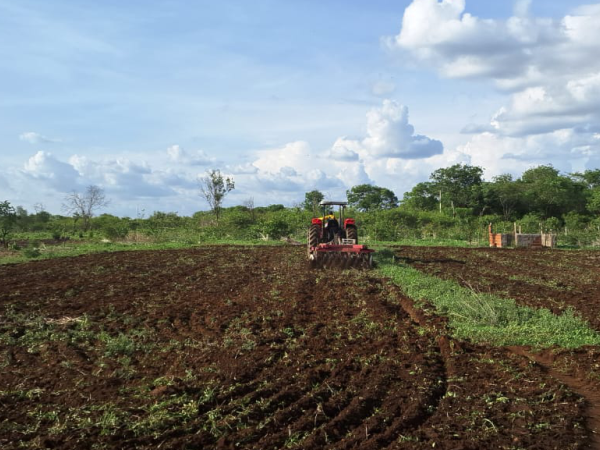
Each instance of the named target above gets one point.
<point>247,347</point>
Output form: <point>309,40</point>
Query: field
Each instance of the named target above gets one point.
<point>225,347</point>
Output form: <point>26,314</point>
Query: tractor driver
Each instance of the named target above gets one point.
<point>331,225</point>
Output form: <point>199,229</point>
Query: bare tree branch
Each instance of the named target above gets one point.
<point>84,205</point>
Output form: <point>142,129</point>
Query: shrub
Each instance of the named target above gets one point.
<point>32,250</point>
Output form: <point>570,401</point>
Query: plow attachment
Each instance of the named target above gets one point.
<point>341,256</point>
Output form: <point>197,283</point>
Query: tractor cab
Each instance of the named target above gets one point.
<point>330,223</point>
<point>333,239</point>
<point>334,228</point>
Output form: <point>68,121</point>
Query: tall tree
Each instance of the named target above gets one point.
<point>213,188</point>
<point>590,178</point>
<point>8,219</point>
<point>312,200</point>
<point>422,197</point>
<point>367,197</point>
<point>459,185</point>
<point>249,205</point>
<point>507,193</point>
<point>593,202</point>
<point>84,205</point>
<point>550,194</point>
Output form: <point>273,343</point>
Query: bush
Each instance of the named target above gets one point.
<point>275,228</point>
<point>32,250</point>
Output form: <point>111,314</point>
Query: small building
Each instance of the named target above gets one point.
<point>518,239</point>
<point>500,240</point>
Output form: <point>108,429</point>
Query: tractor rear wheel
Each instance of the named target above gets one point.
<point>313,235</point>
<point>352,233</point>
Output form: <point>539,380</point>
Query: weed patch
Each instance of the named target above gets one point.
<point>487,318</point>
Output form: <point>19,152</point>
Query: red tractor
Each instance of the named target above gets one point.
<point>333,241</point>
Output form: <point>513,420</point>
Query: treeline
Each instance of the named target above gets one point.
<point>456,203</point>
<point>541,191</point>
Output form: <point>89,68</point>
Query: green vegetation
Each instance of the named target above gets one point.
<point>8,219</point>
<point>214,188</point>
<point>366,197</point>
<point>488,318</point>
<point>312,200</point>
<point>455,207</point>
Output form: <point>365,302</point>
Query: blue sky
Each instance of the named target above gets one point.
<point>141,98</point>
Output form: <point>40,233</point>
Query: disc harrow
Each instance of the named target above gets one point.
<point>327,256</point>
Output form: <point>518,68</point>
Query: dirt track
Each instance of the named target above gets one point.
<point>233,347</point>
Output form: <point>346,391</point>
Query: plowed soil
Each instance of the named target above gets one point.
<point>247,347</point>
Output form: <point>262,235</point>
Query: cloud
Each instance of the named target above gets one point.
<point>345,150</point>
<point>474,128</point>
<point>352,174</point>
<point>121,176</point>
<point>242,169</point>
<point>284,174</point>
<point>381,157</point>
<point>547,67</point>
<point>124,177</point>
<point>174,179</point>
<point>296,154</point>
<point>567,150</point>
<point>36,138</point>
<point>295,165</point>
<point>56,174</point>
<point>277,182</point>
<point>390,135</point>
<point>460,45</point>
<point>178,155</point>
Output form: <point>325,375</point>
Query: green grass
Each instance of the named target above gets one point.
<point>487,318</point>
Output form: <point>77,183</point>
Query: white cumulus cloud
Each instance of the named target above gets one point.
<point>242,169</point>
<point>283,174</point>
<point>389,134</point>
<point>549,69</point>
<point>37,138</point>
<point>44,167</point>
<point>345,150</point>
<point>462,45</point>
<point>386,156</point>
<point>198,158</point>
